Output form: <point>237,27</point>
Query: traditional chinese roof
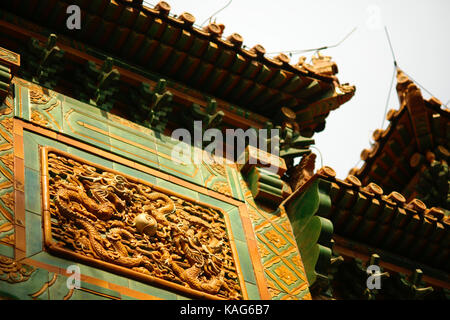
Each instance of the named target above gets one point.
<point>405,233</point>
<point>155,40</point>
<point>411,155</point>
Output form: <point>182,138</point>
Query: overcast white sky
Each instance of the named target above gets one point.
<point>419,32</point>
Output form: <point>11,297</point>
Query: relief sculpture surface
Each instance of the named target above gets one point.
<point>100,215</point>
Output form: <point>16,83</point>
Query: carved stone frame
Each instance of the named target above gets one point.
<point>51,246</point>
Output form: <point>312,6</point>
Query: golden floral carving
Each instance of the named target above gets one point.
<point>8,124</point>
<point>262,250</point>
<point>275,238</point>
<point>105,216</point>
<point>254,215</point>
<point>10,239</point>
<point>222,187</point>
<point>6,227</point>
<point>37,94</point>
<point>286,275</point>
<point>273,290</point>
<point>14,272</point>
<point>286,225</point>
<point>8,160</point>
<point>8,200</point>
<point>297,261</point>
<point>219,168</point>
<point>38,118</point>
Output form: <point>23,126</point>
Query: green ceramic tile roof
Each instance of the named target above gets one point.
<point>384,221</point>
<point>412,150</point>
<point>149,38</point>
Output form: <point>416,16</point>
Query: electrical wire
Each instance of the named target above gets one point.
<point>317,49</point>
<point>396,67</point>
<point>320,153</point>
<point>215,13</point>
<point>389,95</point>
<point>390,45</point>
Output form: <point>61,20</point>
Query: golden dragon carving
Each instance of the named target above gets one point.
<point>105,216</point>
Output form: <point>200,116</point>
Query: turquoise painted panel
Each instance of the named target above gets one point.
<point>252,291</point>
<point>25,105</point>
<point>31,152</point>
<point>33,228</point>
<point>86,125</point>
<point>134,146</point>
<point>215,202</point>
<point>59,289</point>
<point>17,111</point>
<point>236,224</point>
<point>189,171</point>
<point>104,275</point>
<point>44,141</point>
<point>245,261</point>
<point>177,188</point>
<point>32,191</point>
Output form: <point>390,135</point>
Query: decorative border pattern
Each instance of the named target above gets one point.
<point>284,272</point>
<point>7,236</point>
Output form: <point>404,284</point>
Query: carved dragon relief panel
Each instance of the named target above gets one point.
<point>112,221</point>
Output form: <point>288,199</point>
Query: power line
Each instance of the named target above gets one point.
<point>317,49</point>
<point>396,67</point>
<point>215,13</point>
<point>390,46</point>
<point>393,75</point>
<point>320,153</point>
<point>389,95</point>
